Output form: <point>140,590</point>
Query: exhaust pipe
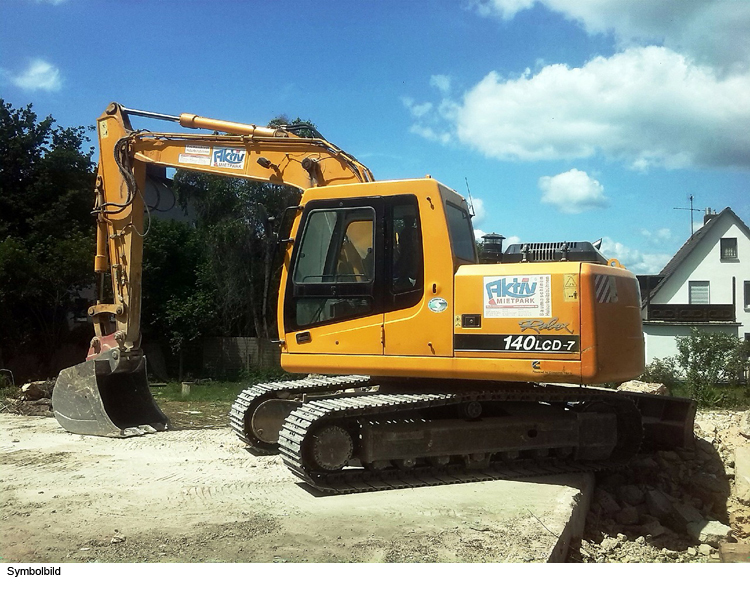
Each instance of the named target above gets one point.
<point>107,396</point>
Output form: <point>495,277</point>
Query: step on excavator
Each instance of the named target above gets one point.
<point>425,365</point>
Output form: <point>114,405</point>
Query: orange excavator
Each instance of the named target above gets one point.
<point>428,365</point>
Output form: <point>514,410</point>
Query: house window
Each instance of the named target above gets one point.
<point>747,294</point>
<point>698,292</point>
<point>728,248</point>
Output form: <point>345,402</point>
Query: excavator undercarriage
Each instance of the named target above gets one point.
<point>353,434</point>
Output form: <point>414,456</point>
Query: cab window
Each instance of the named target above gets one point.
<point>461,233</point>
<point>336,255</point>
<point>337,247</point>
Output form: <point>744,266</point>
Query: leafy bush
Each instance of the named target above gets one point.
<point>662,371</point>
<point>708,359</point>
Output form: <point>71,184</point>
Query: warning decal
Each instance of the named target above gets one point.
<point>518,296</point>
<point>194,159</point>
<point>606,289</point>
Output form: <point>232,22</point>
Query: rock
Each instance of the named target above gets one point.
<point>684,514</point>
<point>645,387</point>
<point>658,504</point>
<point>709,532</point>
<point>670,553</point>
<point>685,454</point>
<point>35,390</point>
<point>742,474</point>
<point>609,544</point>
<point>692,551</point>
<point>745,424</point>
<point>653,529</point>
<point>627,516</point>
<point>631,494</point>
<point>704,449</point>
<point>670,456</point>
<point>117,540</point>
<point>709,488</point>
<point>705,549</point>
<point>640,540</point>
<point>614,481</point>
<point>706,425</point>
<point>734,552</point>
<point>607,502</point>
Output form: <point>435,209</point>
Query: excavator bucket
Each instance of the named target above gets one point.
<point>91,399</point>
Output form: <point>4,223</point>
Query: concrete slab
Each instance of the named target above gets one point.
<point>742,473</point>
<point>498,521</point>
<point>199,495</point>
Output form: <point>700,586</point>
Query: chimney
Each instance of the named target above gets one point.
<point>709,215</point>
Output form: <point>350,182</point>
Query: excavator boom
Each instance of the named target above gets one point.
<point>108,393</point>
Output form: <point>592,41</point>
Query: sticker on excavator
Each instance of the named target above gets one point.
<point>228,158</point>
<point>517,296</point>
<point>194,159</point>
<point>513,343</point>
<point>570,287</point>
<point>203,150</point>
<point>606,289</point>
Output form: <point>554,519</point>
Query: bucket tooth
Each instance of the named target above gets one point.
<point>90,399</point>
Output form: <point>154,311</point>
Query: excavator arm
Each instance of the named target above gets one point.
<point>108,393</point>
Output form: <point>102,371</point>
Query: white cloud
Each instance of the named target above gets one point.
<point>506,9</point>
<point>711,31</point>
<point>441,82</point>
<point>573,191</point>
<point>657,237</point>
<point>480,213</point>
<point>634,260</point>
<point>647,106</point>
<point>39,75</point>
<point>417,110</point>
<point>427,132</point>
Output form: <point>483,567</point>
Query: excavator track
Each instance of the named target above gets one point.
<point>286,394</point>
<point>318,429</point>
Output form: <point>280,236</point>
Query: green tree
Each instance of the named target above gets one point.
<point>242,264</point>
<point>233,220</point>
<point>176,300</point>
<point>708,359</point>
<point>46,230</point>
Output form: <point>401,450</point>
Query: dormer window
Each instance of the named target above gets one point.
<point>728,248</point>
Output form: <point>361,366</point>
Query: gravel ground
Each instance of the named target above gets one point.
<point>645,513</point>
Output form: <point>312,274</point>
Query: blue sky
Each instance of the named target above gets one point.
<point>571,119</point>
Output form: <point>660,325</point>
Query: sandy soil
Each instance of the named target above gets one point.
<point>197,495</point>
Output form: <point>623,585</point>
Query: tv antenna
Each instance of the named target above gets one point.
<point>691,209</point>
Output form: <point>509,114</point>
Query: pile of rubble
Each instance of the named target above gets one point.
<point>674,506</point>
<point>31,399</point>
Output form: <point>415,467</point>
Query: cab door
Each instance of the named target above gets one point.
<point>334,298</point>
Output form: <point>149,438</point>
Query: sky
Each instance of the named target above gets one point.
<point>563,119</point>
